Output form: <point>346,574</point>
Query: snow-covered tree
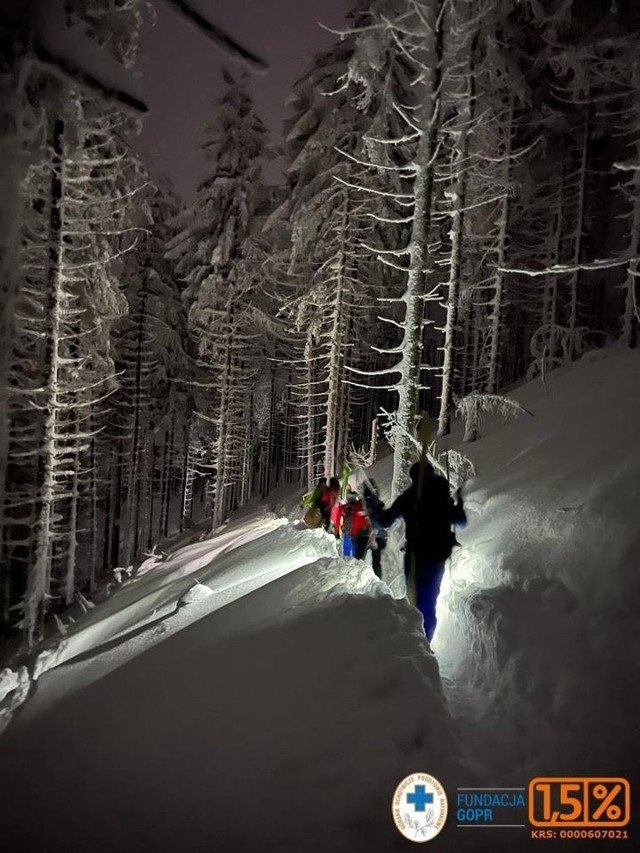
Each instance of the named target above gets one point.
<point>631,190</point>
<point>209,253</point>
<point>87,44</point>
<point>153,409</point>
<point>415,32</point>
<point>336,216</point>
<point>61,369</point>
<point>329,225</point>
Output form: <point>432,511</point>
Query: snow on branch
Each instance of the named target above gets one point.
<point>407,170</point>
<point>627,167</point>
<point>472,407</point>
<point>456,466</point>
<point>390,427</point>
<point>385,372</point>
<point>511,157</point>
<point>371,190</point>
<point>478,204</point>
<point>560,269</point>
<point>365,457</point>
<point>452,464</point>
<point>342,34</point>
<point>391,220</point>
<point>388,263</point>
<point>399,140</point>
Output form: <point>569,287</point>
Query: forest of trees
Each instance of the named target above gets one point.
<point>461,212</point>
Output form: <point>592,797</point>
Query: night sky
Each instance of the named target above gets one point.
<point>181,72</point>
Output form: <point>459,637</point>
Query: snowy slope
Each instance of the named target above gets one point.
<point>195,580</point>
<point>281,721</point>
<point>255,660</point>
<point>280,704</point>
<point>540,625</point>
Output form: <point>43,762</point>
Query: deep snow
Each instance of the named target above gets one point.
<point>279,705</point>
<point>540,624</point>
<point>280,722</point>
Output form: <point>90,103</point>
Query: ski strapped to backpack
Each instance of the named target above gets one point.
<point>344,480</point>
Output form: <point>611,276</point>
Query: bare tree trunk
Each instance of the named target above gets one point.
<point>132,536</point>
<point>11,92</point>
<point>497,302</point>
<point>38,580</point>
<point>72,533</point>
<point>74,451</point>
<point>410,363</point>
<point>578,234</point>
<point>93,515</point>
<point>550,306</point>
<point>459,159</point>
<point>167,460</point>
<point>115,533</point>
<point>247,454</point>
<point>310,431</point>
<point>150,495</point>
<point>220,491</point>
<point>336,353</point>
<point>267,450</point>
<point>465,108</point>
<point>189,476</point>
<point>631,317</point>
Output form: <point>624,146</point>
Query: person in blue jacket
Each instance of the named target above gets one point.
<point>429,518</point>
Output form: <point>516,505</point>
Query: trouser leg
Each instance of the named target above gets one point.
<point>360,546</point>
<point>428,581</point>
<point>407,563</point>
<point>410,576</point>
<point>348,546</point>
<point>376,557</point>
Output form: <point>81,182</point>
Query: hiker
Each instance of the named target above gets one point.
<point>429,517</point>
<point>328,500</point>
<point>336,519</point>
<point>378,534</point>
<point>354,527</point>
<point>314,516</point>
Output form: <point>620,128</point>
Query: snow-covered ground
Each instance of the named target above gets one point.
<point>540,625</point>
<point>278,720</point>
<point>254,692</point>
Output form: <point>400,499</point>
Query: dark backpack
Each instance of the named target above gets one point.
<point>429,519</point>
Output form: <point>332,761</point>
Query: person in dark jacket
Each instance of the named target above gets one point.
<point>378,536</point>
<point>429,514</point>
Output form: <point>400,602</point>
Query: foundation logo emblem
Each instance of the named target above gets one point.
<point>419,807</point>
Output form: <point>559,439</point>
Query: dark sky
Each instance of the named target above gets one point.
<point>181,71</point>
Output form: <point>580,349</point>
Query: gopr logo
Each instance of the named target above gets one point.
<point>420,807</point>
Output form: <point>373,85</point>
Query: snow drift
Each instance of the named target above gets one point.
<point>539,630</point>
<point>281,722</point>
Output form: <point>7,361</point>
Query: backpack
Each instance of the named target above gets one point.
<point>355,522</point>
<point>429,532</point>
<point>313,517</point>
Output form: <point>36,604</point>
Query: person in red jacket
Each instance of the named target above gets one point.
<point>355,527</point>
<point>328,500</point>
<point>336,519</point>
